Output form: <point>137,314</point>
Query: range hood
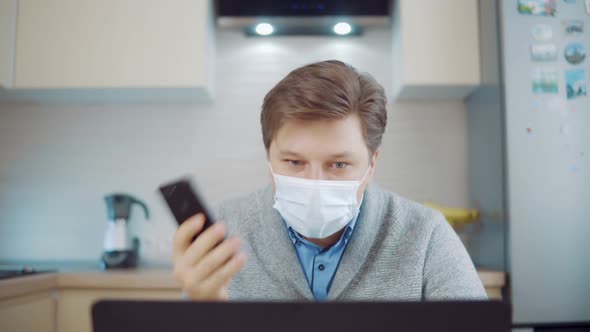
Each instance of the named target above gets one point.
<point>298,8</point>
<point>306,17</point>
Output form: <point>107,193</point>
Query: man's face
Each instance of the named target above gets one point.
<point>322,150</point>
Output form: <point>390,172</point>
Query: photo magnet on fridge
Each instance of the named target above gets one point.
<point>575,82</point>
<point>542,32</point>
<point>572,27</point>
<point>543,52</point>
<point>537,7</point>
<point>545,80</point>
<point>574,53</point>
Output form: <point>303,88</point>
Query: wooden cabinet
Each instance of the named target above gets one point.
<point>29,313</point>
<point>75,305</point>
<point>494,282</point>
<point>113,44</point>
<point>7,41</point>
<point>435,49</point>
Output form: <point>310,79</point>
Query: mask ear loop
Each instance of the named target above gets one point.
<point>272,172</point>
<point>364,176</point>
<point>358,204</point>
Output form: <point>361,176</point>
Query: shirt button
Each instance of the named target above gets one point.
<point>321,267</point>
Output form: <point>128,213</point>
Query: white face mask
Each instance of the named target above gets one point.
<point>316,208</point>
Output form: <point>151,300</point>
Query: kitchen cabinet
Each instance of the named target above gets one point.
<point>112,44</point>
<point>28,313</point>
<point>7,41</point>
<point>63,301</point>
<point>436,51</point>
<point>75,305</point>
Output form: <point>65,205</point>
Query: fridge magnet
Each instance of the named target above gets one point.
<point>543,52</point>
<point>537,7</point>
<point>542,32</point>
<point>572,27</point>
<point>574,53</point>
<point>575,82</point>
<point>545,80</point>
<point>588,7</point>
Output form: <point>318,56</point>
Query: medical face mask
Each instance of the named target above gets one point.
<point>316,208</point>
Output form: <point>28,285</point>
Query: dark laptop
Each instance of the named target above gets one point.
<point>180,316</point>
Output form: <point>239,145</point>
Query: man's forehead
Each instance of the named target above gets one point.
<point>342,128</point>
<point>335,138</point>
<point>310,148</point>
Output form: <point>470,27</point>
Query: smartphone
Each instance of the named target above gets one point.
<point>183,200</point>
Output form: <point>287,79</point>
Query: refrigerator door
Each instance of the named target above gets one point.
<point>547,128</point>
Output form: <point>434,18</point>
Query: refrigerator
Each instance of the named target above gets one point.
<point>529,139</point>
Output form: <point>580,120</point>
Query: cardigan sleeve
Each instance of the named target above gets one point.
<point>449,273</point>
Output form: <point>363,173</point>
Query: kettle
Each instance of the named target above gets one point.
<point>120,251</point>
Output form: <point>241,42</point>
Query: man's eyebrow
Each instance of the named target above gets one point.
<point>345,154</point>
<point>289,152</point>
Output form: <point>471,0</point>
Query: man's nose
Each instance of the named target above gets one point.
<point>315,173</point>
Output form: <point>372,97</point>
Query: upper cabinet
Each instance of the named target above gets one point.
<point>7,41</point>
<point>112,44</point>
<point>435,49</point>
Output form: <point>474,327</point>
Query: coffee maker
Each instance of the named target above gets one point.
<point>120,250</point>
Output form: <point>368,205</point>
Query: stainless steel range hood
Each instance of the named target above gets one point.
<point>292,15</point>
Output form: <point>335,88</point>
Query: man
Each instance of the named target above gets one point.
<point>320,231</point>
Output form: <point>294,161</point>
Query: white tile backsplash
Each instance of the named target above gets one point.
<point>57,161</point>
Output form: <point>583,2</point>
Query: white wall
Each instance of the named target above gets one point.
<point>7,41</point>
<point>58,160</point>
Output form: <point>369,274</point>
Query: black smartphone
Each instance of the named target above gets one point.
<point>184,201</point>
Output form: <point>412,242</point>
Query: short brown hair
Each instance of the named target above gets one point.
<point>326,90</point>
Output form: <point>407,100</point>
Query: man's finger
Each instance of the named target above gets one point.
<point>215,258</point>
<point>185,233</point>
<point>206,241</point>
<point>223,275</point>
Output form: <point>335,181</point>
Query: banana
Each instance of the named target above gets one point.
<point>456,216</point>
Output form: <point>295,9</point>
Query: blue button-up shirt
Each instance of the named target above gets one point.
<point>320,264</point>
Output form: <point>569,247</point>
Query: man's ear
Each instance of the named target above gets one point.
<point>375,156</point>
<point>372,164</point>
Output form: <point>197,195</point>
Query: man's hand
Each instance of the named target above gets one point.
<point>205,267</point>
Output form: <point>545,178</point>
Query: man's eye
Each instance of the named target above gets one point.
<point>339,164</point>
<point>295,163</point>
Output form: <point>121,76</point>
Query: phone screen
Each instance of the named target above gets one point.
<point>184,202</point>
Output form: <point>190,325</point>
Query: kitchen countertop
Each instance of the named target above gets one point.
<point>152,278</point>
<point>27,284</point>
